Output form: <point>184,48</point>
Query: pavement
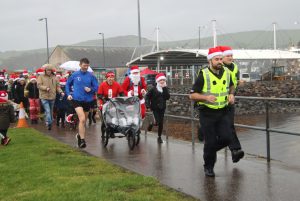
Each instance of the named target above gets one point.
<point>179,165</point>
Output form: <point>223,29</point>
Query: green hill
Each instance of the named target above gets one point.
<point>240,40</point>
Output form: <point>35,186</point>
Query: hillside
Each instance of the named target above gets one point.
<point>242,40</point>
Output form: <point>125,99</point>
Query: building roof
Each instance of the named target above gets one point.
<point>199,56</point>
<point>114,56</point>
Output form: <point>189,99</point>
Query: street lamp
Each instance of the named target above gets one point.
<point>41,19</point>
<point>103,49</point>
<point>200,27</point>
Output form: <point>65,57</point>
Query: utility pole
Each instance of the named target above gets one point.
<point>139,23</point>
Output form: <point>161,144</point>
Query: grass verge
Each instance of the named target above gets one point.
<point>36,167</point>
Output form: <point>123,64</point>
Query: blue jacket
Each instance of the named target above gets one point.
<point>79,80</point>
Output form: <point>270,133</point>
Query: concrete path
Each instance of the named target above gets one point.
<point>179,165</point>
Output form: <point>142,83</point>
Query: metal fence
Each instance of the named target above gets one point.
<point>267,129</point>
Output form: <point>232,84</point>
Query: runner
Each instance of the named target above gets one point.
<point>84,85</point>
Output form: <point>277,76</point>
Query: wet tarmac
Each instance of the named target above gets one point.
<point>179,165</point>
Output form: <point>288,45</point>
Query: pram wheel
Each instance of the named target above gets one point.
<point>131,139</point>
<point>137,139</point>
<point>105,136</point>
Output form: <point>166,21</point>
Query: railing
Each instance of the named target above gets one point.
<point>267,128</point>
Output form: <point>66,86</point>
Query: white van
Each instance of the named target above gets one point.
<point>245,77</point>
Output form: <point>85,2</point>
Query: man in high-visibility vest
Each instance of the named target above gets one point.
<point>235,147</point>
<point>213,91</point>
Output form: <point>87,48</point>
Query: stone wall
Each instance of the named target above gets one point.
<point>180,105</point>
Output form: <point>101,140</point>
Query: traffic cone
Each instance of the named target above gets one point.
<point>22,123</point>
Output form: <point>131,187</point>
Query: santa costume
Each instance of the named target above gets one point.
<point>135,85</point>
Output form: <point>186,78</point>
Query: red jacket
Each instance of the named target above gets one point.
<point>128,86</point>
<point>104,88</point>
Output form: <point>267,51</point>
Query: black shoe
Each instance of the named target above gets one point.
<point>90,122</point>
<point>49,127</point>
<point>150,127</point>
<point>112,135</point>
<point>82,144</point>
<point>159,140</point>
<point>63,125</point>
<point>209,172</point>
<point>237,155</point>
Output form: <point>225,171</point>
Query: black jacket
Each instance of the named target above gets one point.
<point>156,100</point>
<point>33,91</point>
<point>7,115</point>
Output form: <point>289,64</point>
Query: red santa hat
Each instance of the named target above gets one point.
<point>134,69</point>
<point>63,81</point>
<point>226,50</point>
<point>25,72</point>
<point>160,76</point>
<point>33,77</point>
<point>40,71</point>
<point>214,51</point>
<point>2,77</point>
<point>3,96</point>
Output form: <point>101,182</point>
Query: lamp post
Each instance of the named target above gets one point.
<point>103,49</point>
<point>41,19</point>
<point>200,27</point>
<point>139,23</point>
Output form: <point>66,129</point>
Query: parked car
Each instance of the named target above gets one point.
<point>245,77</point>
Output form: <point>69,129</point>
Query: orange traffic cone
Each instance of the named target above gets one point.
<point>22,123</point>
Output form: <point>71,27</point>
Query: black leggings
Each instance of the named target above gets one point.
<point>159,119</point>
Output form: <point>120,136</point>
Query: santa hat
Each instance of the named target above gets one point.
<point>2,77</point>
<point>226,50</point>
<point>134,69</point>
<point>12,77</point>
<point>25,72</point>
<point>33,77</point>
<point>58,75</point>
<point>159,77</point>
<point>214,51</point>
<point>40,71</point>
<point>3,96</point>
<point>63,81</point>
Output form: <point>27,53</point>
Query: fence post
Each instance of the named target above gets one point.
<point>268,132</point>
<point>192,121</point>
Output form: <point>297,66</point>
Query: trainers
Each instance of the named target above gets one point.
<point>237,155</point>
<point>159,140</point>
<point>82,144</point>
<point>209,172</point>
<point>5,141</point>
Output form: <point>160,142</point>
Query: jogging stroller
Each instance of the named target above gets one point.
<point>122,115</point>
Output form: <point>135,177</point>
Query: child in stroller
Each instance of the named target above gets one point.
<point>122,115</point>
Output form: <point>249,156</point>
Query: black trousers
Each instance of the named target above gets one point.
<point>217,133</point>
<point>159,119</point>
<point>61,113</point>
<point>3,132</point>
<point>235,144</point>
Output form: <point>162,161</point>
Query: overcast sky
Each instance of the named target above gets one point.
<point>72,21</point>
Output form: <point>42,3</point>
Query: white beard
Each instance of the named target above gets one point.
<point>135,79</point>
<point>159,88</point>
